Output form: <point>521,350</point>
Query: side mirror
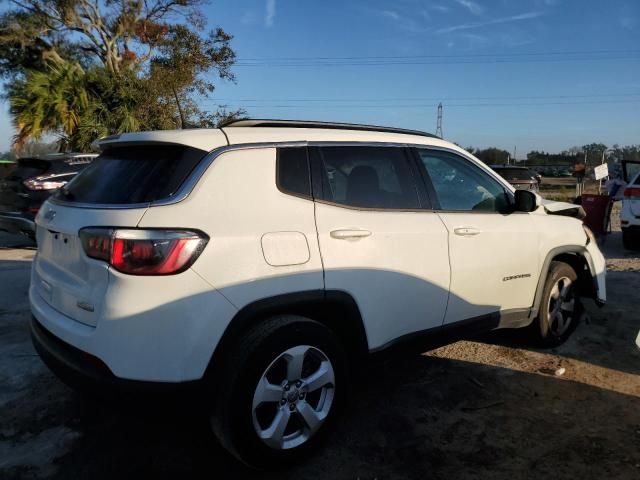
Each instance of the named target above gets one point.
<point>525,201</point>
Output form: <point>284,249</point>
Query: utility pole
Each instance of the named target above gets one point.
<point>439,125</point>
<point>515,159</point>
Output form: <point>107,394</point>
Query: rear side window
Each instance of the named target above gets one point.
<point>133,174</point>
<point>367,177</point>
<point>292,168</point>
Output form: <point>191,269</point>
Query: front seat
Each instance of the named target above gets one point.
<point>363,187</point>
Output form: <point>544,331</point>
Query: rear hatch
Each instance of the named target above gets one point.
<point>64,276</point>
<point>14,196</point>
<point>114,191</point>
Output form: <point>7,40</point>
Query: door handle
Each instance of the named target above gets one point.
<point>349,234</point>
<point>466,231</point>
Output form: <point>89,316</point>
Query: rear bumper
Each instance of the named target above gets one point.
<point>164,330</point>
<point>17,223</point>
<point>84,371</point>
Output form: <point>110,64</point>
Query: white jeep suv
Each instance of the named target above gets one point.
<point>262,260</point>
<point>630,212</point>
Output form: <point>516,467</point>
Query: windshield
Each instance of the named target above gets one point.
<point>133,174</point>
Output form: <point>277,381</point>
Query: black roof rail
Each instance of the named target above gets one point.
<point>250,122</point>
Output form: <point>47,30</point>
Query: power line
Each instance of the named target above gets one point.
<point>387,57</point>
<point>411,99</point>
<point>401,63</point>
<point>449,105</point>
<point>558,57</point>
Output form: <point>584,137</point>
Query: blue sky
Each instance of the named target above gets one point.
<point>536,74</point>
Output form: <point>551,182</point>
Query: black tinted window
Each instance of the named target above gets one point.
<point>368,177</point>
<point>293,171</point>
<point>460,185</point>
<point>137,174</point>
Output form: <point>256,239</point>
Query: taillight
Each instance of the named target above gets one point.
<point>632,192</point>
<point>40,183</point>
<point>143,252</point>
<point>97,242</point>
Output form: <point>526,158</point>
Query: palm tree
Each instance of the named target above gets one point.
<point>51,101</point>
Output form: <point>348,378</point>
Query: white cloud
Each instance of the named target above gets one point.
<point>270,13</point>
<point>403,21</point>
<point>496,21</point>
<point>473,7</point>
<point>391,14</point>
<point>439,8</point>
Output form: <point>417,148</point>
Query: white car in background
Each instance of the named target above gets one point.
<point>265,259</point>
<point>630,212</point>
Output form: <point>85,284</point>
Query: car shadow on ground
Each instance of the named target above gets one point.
<point>410,417</point>
<point>604,337</point>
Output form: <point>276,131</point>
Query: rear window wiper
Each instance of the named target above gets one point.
<point>66,194</point>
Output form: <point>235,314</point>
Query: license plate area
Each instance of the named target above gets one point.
<point>62,246</point>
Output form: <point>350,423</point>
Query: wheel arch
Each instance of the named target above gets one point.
<point>575,256</point>
<point>337,310</point>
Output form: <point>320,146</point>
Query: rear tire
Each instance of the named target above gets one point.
<point>560,308</point>
<point>282,388</point>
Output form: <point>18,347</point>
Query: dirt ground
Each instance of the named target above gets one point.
<point>484,409</point>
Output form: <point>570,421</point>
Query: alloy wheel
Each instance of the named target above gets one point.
<point>293,397</point>
<point>561,306</point>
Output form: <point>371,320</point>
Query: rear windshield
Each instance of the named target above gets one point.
<point>133,174</point>
<point>515,173</point>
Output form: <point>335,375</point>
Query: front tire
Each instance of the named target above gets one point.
<point>560,307</point>
<point>284,385</point>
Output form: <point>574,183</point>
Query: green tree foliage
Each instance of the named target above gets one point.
<point>109,66</point>
<point>629,152</point>
<point>594,152</point>
<point>30,149</point>
<point>49,100</point>
<point>491,155</point>
<point>542,158</point>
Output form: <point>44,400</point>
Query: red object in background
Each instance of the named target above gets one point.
<point>597,208</point>
<point>632,192</point>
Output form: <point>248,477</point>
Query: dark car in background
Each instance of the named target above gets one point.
<point>520,177</point>
<point>31,182</point>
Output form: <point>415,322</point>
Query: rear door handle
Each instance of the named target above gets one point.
<point>349,234</point>
<point>466,231</point>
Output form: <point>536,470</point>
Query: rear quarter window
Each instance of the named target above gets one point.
<point>133,174</point>
<point>292,174</point>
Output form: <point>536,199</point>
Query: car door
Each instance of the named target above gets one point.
<point>494,254</point>
<point>378,240</point>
